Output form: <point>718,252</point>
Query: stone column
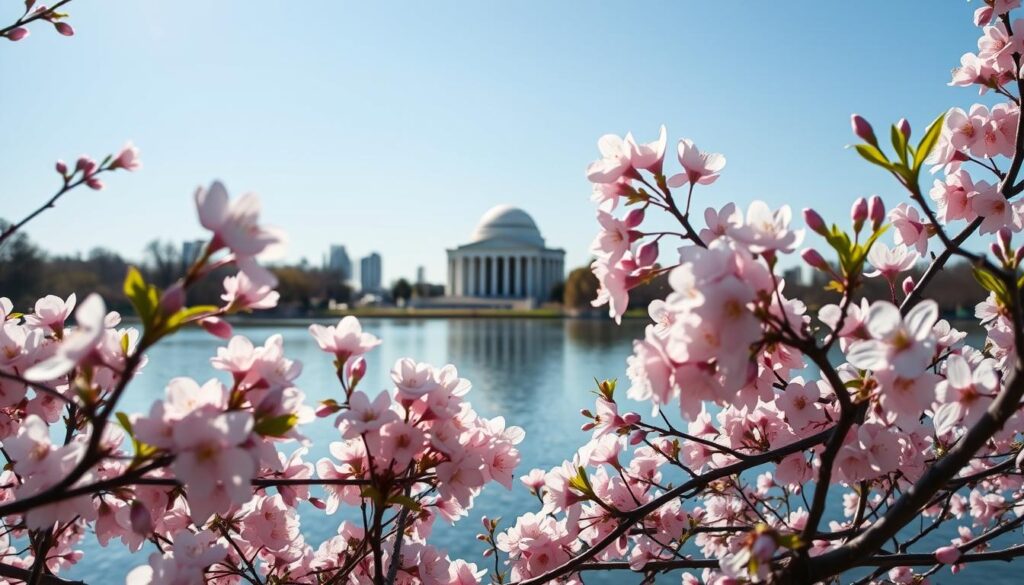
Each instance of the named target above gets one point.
<point>479,274</point>
<point>494,276</point>
<point>474,278</point>
<point>506,278</point>
<point>529,277</point>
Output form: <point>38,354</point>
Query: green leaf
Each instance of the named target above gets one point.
<point>144,297</point>
<point>928,141</point>
<point>275,426</point>
<point>899,142</point>
<point>405,501</point>
<point>579,482</point>
<point>873,156</point>
<point>991,283</point>
<point>175,321</point>
<point>123,419</point>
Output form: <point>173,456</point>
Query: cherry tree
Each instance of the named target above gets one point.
<point>762,414</point>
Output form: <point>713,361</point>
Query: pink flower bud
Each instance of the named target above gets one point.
<point>876,211</point>
<point>859,213</point>
<point>62,168</point>
<point>630,418</point>
<point>637,437</point>
<point>318,503</point>
<point>815,222</point>
<point>94,184</point>
<point>634,218</point>
<point>217,327</point>
<point>173,299</point>
<point>815,260</point>
<point>647,254</point>
<point>960,156</point>
<point>127,159</point>
<point>64,28</point>
<point>908,285</point>
<point>17,34</point>
<point>486,522</point>
<point>904,128</point>
<point>1004,234</point>
<point>863,129</point>
<point>587,427</point>
<point>140,518</point>
<point>85,164</point>
<point>997,251</point>
<point>947,555</point>
<point>356,369</point>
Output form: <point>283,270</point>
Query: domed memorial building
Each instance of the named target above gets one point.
<point>506,258</point>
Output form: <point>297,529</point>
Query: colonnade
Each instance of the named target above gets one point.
<point>504,275</point>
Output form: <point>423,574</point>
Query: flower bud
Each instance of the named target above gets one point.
<point>863,130</point>
<point>356,370</point>
<point>1004,234</point>
<point>173,299</point>
<point>947,555</point>
<point>94,184</point>
<point>904,128</point>
<point>630,418</point>
<point>318,503</point>
<point>140,518</point>
<point>997,251</point>
<point>815,222</point>
<point>908,285</point>
<point>876,211</point>
<point>637,437</point>
<point>64,28</point>
<point>815,260</point>
<point>960,156</point>
<point>217,327</point>
<point>127,159</point>
<point>85,164</point>
<point>17,34</point>
<point>634,218</point>
<point>647,254</point>
<point>62,168</point>
<point>859,213</point>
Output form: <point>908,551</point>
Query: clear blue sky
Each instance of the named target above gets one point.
<point>394,126</point>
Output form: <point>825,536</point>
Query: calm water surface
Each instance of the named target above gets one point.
<point>538,374</point>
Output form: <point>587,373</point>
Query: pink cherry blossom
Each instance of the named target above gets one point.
<point>903,344</point>
<point>890,262</point>
<point>910,229</point>
<point>345,340</point>
<point>698,166</point>
<point>76,346</point>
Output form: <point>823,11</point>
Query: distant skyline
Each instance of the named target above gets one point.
<point>393,128</point>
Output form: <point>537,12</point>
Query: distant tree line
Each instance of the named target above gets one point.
<point>27,272</point>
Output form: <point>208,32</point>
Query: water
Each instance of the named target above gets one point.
<point>537,373</point>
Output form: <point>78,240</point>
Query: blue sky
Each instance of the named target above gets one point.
<point>393,126</point>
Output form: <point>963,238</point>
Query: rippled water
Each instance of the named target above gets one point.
<point>537,373</point>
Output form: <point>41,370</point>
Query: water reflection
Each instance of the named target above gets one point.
<point>537,373</point>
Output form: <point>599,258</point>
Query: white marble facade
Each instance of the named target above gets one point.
<point>505,259</point>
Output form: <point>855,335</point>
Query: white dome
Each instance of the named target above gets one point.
<point>505,222</point>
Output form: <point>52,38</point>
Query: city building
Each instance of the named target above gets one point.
<point>370,273</point>
<point>421,275</point>
<point>506,258</point>
<point>190,251</point>
<point>338,261</point>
